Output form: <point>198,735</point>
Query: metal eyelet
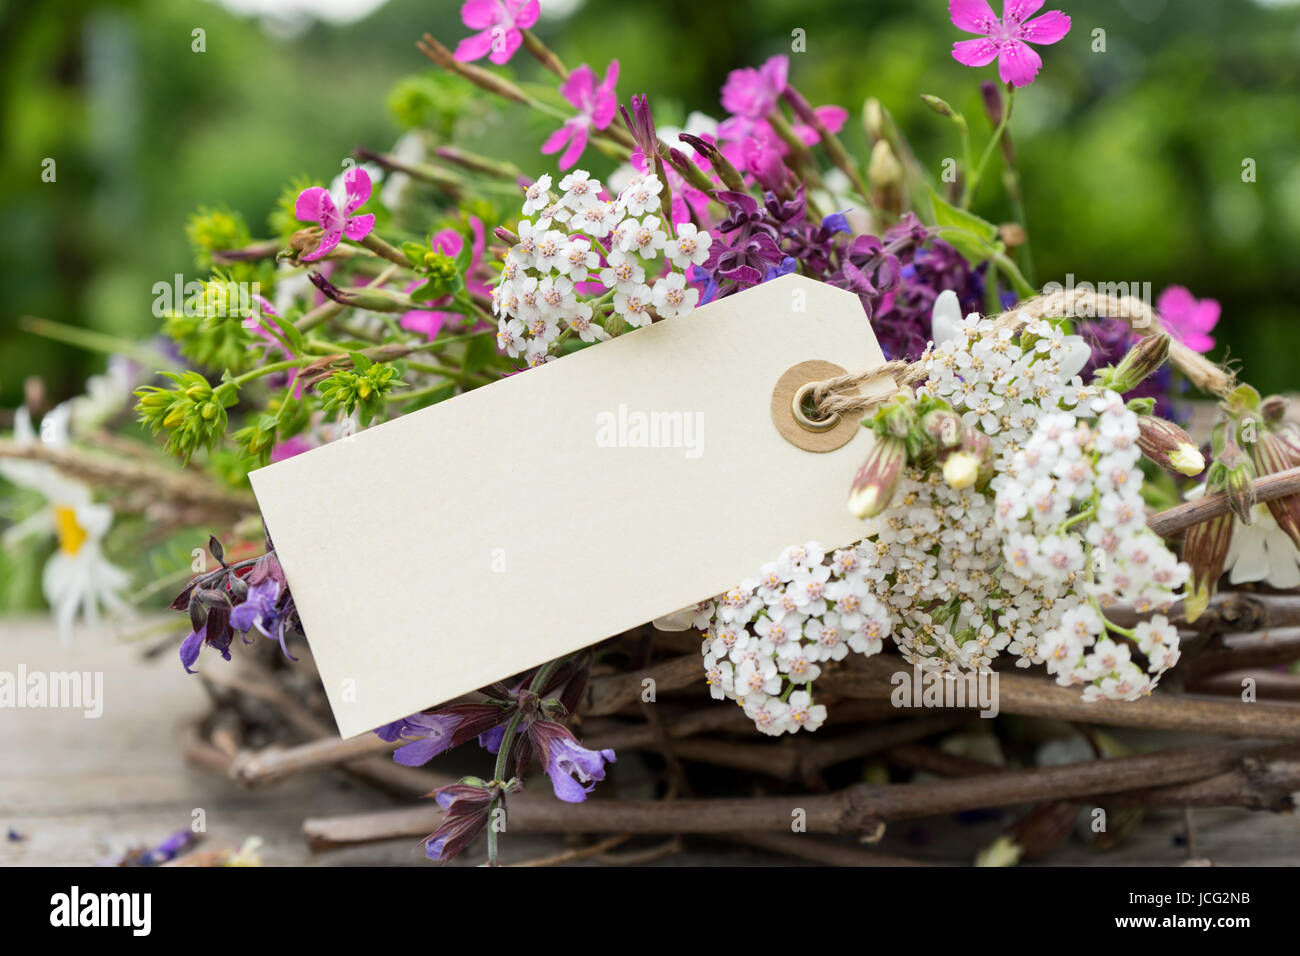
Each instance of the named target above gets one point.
<point>801,417</point>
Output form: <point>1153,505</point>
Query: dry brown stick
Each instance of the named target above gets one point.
<point>262,767</point>
<point>936,761</point>
<point>1040,697</point>
<point>1240,651</point>
<point>1169,522</point>
<point>858,810</point>
<point>1257,784</point>
<point>178,489</point>
<point>817,850</point>
<point>1267,685</point>
<point>608,694</point>
<point>1247,611</point>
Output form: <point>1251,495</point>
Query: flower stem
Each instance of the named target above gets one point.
<point>972,183</point>
<point>503,756</point>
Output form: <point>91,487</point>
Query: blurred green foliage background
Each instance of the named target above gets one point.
<point>1131,158</point>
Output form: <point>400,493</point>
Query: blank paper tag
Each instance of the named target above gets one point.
<point>465,542</point>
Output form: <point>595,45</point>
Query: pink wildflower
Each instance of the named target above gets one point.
<point>1006,40</point>
<point>1188,318</point>
<point>596,106</point>
<point>317,205</point>
<point>499,23</point>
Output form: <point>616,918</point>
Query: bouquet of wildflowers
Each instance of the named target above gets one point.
<point>1006,494</point>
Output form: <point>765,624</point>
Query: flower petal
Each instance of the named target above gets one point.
<point>1018,64</point>
<point>356,182</point>
<point>979,52</point>
<point>359,227</point>
<point>576,145</point>
<point>480,14</point>
<point>578,87</point>
<point>1048,28</point>
<point>327,244</point>
<point>973,16</point>
<point>474,47</point>
<point>1018,11</point>
<point>555,142</point>
<point>526,17</point>
<point>308,206</point>
<point>504,45</point>
<point>832,117</point>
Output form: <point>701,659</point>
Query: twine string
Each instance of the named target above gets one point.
<point>838,395</point>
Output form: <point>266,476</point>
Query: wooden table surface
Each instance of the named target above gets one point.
<point>77,790</point>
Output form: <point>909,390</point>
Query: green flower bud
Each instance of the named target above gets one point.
<point>1141,361</point>
<point>878,478</point>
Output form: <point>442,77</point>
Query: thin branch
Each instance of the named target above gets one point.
<point>859,809</point>
<point>874,678</point>
<point>180,490</point>
<point>1181,517</point>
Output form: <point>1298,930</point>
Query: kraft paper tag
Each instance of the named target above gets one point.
<point>460,544</point>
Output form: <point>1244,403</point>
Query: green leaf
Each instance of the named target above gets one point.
<point>946,214</point>
<point>971,247</point>
<point>359,361</point>
<point>479,353</point>
<point>414,253</point>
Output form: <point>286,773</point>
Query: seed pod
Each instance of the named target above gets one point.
<point>1238,480</point>
<point>1205,548</point>
<point>877,479</point>
<point>1271,454</point>
<point>1169,446</point>
<point>1142,360</point>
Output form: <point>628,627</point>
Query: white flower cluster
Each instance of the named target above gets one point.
<point>1072,512</point>
<point>615,244</point>
<point>765,641</point>
<point>958,575</point>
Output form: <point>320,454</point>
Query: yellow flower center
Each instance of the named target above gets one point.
<point>71,535</point>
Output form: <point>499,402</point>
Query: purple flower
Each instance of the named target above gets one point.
<point>750,245</point>
<point>214,632</point>
<point>317,205</point>
<point>1006,40</point>
<point>432,735</point>
<point>596,106</point>
<point>788,265</point>
<point>169,848</point>
<point>466,808</point>
<point>261,610</point>
<point>641,124</point>
<point>567,762</point>
<point>499,23</point>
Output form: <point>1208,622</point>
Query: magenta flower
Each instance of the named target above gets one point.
<point>499,23</point>
<point>753,93</point>
<point>1006,40</point>
<point>596,106</point>
<point>1188,318</point>
<point>317,205</point>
